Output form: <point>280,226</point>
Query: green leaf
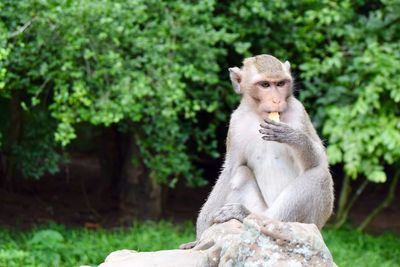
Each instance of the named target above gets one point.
<point>377,176</point>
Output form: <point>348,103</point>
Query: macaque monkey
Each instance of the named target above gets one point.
<point>275,163</point>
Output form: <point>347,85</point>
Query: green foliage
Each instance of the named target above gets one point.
<point>356,78</point>
<point>43,155</point>
<point>347,56</point>
<point>56,245</point>
<point>157,67</point>
<point>46,246</point>
<point>350,248</point>
<point>3,54</point>
<point>148,62</point>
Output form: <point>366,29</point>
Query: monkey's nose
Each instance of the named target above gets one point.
<point>276,101</point>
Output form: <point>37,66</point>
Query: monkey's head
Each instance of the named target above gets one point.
<point>265,81</point>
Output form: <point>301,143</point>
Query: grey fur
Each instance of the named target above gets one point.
<point>240,190</point>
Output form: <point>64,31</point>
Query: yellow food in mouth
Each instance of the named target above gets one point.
<point>274,116</point>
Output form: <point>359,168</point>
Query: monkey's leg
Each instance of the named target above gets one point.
<point>308,199</point>
<point>231,198</point>
<point>244,197</point>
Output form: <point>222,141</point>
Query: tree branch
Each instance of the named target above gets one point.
<point>384,204</point>
<point>23,28</point>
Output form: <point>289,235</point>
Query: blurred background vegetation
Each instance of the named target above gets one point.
<point>129,101</point>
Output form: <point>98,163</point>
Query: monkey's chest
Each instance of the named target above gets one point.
<point>274,165</point>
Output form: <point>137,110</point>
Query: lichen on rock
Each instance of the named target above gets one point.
<point>258,242</point>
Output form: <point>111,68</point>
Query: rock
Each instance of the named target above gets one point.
<point>255,242</point>
<point>167,258</point>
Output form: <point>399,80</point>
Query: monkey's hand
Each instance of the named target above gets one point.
<point>281,132</point>
<point>231,211</point>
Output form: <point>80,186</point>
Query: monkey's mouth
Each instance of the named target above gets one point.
<point>275,116</point>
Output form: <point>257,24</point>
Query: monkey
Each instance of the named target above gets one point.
<point>276,169</point>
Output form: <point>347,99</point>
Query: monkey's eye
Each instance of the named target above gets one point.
<point>281,83</point>
<point>265,84</point>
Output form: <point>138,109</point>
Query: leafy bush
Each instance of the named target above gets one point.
<point>55,245</point>
<point>151,63</point>
<point>46,246</point>
<point>158,70</point>
<point>346,55</point>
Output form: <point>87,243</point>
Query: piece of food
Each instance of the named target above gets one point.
<point>274,116</point>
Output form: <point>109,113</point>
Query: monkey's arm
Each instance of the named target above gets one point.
<point>244,194</point>
<point>215,209</point>
<point>309,197</point>
<point>214,202</point>
<point>305,143</point>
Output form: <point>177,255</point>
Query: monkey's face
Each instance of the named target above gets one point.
<point>270,95</point>
<point>266,81</point>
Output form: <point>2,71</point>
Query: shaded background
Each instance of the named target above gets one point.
<point>114,111</point>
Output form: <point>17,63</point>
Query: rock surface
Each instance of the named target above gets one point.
<point>255,242</point>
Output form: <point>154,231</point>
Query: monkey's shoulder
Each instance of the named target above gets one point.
<point>243,126</point>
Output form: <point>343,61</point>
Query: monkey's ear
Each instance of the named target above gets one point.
<point>236,77</point>
<point>287,65</point>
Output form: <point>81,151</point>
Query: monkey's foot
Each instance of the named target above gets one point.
<point>189,245</point>
<point>231,211</point>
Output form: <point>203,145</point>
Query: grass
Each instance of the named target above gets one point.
<point>351,248</point>
<point>56,245</point>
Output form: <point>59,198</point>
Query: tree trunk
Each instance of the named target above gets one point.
<point>14,136</point>
<point>384,204</point>
<point>343,199</point>
<point>140,195</point>
<point>110,155</point>
<point>345,214</point>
